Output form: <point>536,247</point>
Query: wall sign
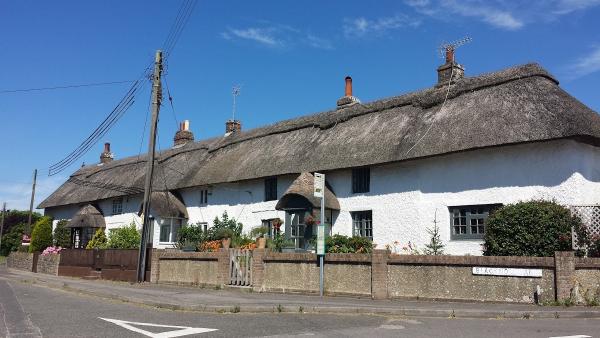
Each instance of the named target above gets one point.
<point>319,185</point>
<point>514,272</point>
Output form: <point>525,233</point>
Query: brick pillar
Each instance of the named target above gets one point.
<point>258,269</point>
<point>154,266</point>
<point>564,273</point>
<point>379,274</point>
<point>223,269</point>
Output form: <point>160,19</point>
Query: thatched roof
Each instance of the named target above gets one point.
<point>303,186</point>
<point>164,204</point>
<point>515,105</point>
<point>87,217</point>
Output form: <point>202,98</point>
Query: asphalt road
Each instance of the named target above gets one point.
<point>33,311</point>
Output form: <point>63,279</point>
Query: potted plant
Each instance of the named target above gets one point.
<point>259,233</point>
<point>225,234</point>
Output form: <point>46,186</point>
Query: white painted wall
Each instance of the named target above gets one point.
<point>404,197</point>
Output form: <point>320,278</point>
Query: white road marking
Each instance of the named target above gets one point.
<point>181,330</point>
<point>575,336</point>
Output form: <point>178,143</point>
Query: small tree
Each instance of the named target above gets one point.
<point>534,228</point>
<point>126,237</point>
<point>435,246</point>
<point>98,241</point>
<point>11,240</point>
<point>41,236</point>
<point>62,234</point>
<point>235,227</point>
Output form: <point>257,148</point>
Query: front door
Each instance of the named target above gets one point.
<point>296,229</point>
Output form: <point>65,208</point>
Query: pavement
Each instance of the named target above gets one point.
<point>238,300</point>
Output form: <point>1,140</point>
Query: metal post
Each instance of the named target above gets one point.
<point>2,222</point>
<point>31,202</point>
<point>147,225</point>
<point>321,260</point>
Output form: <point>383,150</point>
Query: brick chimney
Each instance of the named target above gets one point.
<point>106,155</point>
<point>232,126</point>
<point>183,135</point>
<point>347,100</point>
<point>450,68</point>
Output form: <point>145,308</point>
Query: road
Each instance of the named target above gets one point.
<point>33,311</point>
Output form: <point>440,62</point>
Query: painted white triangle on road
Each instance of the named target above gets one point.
<point>180,332</point>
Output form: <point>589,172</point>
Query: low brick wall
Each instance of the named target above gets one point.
<point>189,268</point>
<point>48,264</point>
<point>344,273</point>
<point>20,261</point>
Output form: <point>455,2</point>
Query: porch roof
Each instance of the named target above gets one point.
<point>87,217</point>
<point>304,186</point>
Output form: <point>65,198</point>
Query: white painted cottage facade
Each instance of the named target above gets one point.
<point>393,168</point>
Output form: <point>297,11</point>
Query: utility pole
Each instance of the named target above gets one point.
<point>147,225</point>
<point>32,198</point>
<point>2,222</point>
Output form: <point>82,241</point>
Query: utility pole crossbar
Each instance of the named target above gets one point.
<point>147,222</point>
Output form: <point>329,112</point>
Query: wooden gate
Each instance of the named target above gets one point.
<point>240,267</point>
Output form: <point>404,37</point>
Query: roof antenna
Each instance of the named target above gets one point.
<point>447,49</point>
<point>235,92</point>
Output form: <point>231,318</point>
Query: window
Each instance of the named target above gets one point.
<point>268,224</point>
<point>362,224</point>
<point>169,227</point>
<point>203,226</point>
<point>361,180</point>
<point>271,189</point>
<point>468,222</point>
<point>117,206</point>
<point>203,197</point>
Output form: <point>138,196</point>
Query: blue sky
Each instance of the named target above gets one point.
<point>290,57</point>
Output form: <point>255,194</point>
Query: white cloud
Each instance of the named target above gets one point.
<point>17,195</point>
<point>317,42</point>
<point>508,15</point>
<point>585,65</point>
<point>360,27</point>
<point>568,6</point>
<point>277,35</point>
<point>261,35</point>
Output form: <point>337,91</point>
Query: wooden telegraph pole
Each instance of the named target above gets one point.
<point>147,225</point>
<point>31,202</point>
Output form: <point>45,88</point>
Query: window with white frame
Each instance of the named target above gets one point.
<point>362,223</point>
<point>117,206</point>
<point>169,228</point>
<point>468,221</point>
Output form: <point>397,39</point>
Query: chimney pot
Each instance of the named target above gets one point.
<point>232,126</point>
<point>106,156</point>
<point>449,69</point>
<point>183,135</point>
<point>348,91</point>
<point>347,99</point>
<point>449,55</point>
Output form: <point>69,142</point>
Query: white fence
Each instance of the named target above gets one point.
<point>590,216</point>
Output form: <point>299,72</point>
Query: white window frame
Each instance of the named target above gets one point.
<point>117,206</point>
<point>172,223</point>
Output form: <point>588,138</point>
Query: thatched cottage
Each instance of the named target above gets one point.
<point>449,154</point>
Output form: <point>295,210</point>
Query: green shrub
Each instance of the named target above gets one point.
<point>41,236</point>
<point>234,228</point>
<point>190,235</point>
<point>345,244</point>
<point>98,241</point>
<point>62,234</point>
<point>126,237</point>
<point>534,228</point>
<point>11,240</point>
<point>15,217</point>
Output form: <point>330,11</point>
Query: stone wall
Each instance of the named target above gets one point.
<point>20,260</point>
<point>189,268</point>
<point>343,274</point>
<point>48,264</point>
<point>382,275</point>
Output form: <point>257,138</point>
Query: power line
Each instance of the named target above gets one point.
<point>64,87</point>
<point>183,16</point>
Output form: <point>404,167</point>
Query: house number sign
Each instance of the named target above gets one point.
<point>513,272</point>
